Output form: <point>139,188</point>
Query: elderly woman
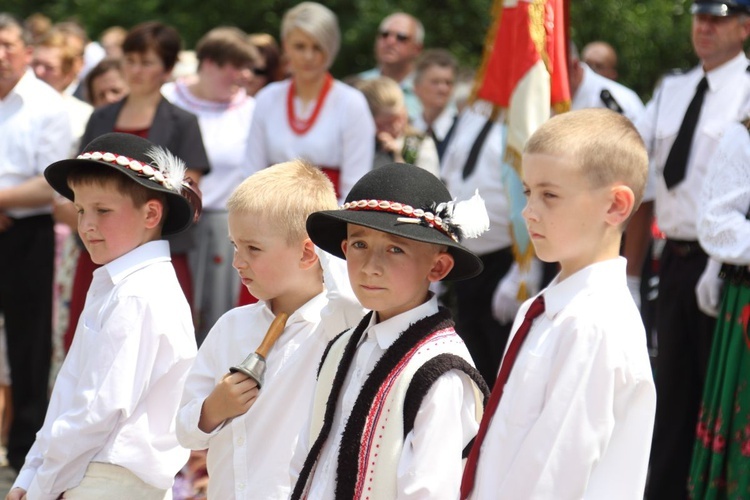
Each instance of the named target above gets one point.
<point>311,115</point>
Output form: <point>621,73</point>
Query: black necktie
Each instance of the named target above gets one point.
<point>674,168</point>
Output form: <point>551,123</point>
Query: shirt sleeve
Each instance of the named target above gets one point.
<point>111,383</point>
<point>200,382</point>
<point>358,144</point>
<point>55,140</point>
<point>431,462</point>
<point>723,227</point>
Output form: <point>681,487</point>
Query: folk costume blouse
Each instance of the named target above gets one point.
<point>341,138</point>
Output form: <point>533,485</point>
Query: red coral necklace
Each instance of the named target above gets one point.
<point>301,126</point>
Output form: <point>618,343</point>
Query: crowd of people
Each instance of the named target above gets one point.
<point>275,190</point>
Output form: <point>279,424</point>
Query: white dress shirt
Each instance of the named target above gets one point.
<point>440,125</point>
<point>486,177</point>
<point>118,391</point>
<point>34,132</point>
<point>248,457</point>
<point>589,95</point>
<point>577,412</point>
<point>723,227</point>
<point>225,129</point>
<point>727,95</point>
<point>430,465</point>
<point>342,136</point>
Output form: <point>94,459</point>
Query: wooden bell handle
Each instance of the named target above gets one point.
<point>272,335</point>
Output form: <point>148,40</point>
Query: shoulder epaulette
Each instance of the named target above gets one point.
<point>610,102</point>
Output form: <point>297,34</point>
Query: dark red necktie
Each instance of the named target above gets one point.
<point>537,308</point>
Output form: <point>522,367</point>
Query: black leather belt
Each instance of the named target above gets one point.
<point>683,248</point>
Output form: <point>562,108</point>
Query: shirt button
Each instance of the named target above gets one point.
<point>240,441</point>
<point>241,486</point>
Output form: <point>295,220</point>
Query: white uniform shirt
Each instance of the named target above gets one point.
<point>487,177</point>
<point>225,129</point>
<point>34,132</point>
<point>576,417</point>
<point>117,394</point>
<point>441,125</point>
<point>727,95</point>
<point>589,95</point>
<point>342,136</point>
<point>723,229</point>
<point>430,465</point>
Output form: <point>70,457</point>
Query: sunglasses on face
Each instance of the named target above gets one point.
<point>400,37</point>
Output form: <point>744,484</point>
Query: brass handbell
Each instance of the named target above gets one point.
<point>254,365</point>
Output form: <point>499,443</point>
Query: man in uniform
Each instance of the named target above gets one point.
<point>681,128</point>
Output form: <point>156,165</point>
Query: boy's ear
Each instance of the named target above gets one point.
<point>441,266</point>
<point>309,257</point>
<point>621,205</point>
<point>344,246</point>
<point>154,213</point>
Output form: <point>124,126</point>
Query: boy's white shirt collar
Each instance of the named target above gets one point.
<point>138,258</point>
<point>309,311</point>
<point>561,293</point>
<point>388,331</point>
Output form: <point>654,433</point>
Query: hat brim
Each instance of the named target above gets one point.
<point>716,9</point>
<point>327,230</point>
<point>179,212</point>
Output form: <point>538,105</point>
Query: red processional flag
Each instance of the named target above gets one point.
<point>524,74</point>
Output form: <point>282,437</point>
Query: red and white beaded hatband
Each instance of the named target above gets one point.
<point>140,168</point>
<point>413,215</point>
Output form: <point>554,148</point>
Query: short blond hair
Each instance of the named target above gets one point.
<point>605,145</point>
<point>286,194</point>
<point>319,22</point>
<point>383,95</point>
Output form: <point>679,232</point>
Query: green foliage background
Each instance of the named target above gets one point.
<point>651,36</point>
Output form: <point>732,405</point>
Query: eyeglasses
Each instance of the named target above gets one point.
<point>400,37</point>
<point>260,71</point>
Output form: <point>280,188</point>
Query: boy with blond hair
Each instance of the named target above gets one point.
<point>572,410</point>
<point>395,139</point>
<point>251,432</point>
<point>109,430</point>
<point>397,398</point>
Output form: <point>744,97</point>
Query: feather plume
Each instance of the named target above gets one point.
<point>171,167</point>
<point>470,216</point>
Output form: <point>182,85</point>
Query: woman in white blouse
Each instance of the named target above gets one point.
<point>311,115</point>
<point>721,456</point>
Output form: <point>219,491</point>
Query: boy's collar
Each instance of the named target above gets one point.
<point>388,331</point>
<point>138,258</point>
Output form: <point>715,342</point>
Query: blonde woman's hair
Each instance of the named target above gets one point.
<point>605,145</point>
<point>285,194</point>
<point>383,94</point>
<point>317,21</point>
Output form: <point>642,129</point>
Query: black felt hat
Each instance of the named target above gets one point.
<point>410,202</point>
<point>148,165</point>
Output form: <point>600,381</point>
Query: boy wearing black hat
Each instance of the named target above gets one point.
<point>397,397</point>
<point>109,429</point>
